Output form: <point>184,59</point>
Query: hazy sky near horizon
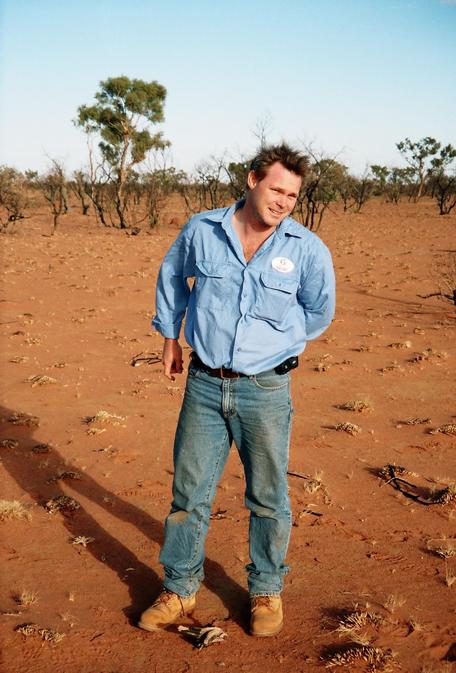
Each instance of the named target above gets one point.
<point>351,77</point>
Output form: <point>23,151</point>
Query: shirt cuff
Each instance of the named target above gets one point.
<point>169,330</point>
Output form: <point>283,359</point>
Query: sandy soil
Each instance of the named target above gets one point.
<point>76,308</point>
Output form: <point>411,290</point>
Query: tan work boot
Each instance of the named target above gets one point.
<point>266,615</point>
<point>166,610</point>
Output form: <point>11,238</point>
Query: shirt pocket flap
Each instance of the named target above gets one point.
<point>212,269</point>
<point>275,282</point>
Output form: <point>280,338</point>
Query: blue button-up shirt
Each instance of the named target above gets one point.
<point>248,316</point>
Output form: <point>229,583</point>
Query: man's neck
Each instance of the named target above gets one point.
<point>249,226</point>
<point>251,233</point>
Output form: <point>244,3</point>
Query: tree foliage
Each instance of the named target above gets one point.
<point>443,184</point>
<point>418,155</point>
<point>320,187</point>
<point>122,116</point>
<point>380,175</point>
<point>237,172</point>
<point>14,197</point>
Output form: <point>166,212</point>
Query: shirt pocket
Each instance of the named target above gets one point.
<point>211,291</point>
<point>276,295</point>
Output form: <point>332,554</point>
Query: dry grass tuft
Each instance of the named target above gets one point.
<point>414,626</point>
<point>350,428</point>
<point>62,503</point>
<point>38,380</point>
<point>400,344</point>
<point>393,601</point>
<point>69,618</point>
<point>357,619</point>
<point>104,417</point>
<point>26,598</point>
<point>27,420</point>
<point>41,448</point>
<point>47,635</point>
<point>393,367</point>
<point>18,359</point>
<point>315,484</point>
<point>27,629</point>
<point>447,429</point>
<point>82,540</point>
<point>95,431</point>
<point>13,509</point>
<point>64,474</point>
<point>429,354</point>
<point>9,444</point>
<point>356,405</point>
<point>416,421</point>
<point>351,653</point>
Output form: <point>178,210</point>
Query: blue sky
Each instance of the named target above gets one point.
<point>352,77</point>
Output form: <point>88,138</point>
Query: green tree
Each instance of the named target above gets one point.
<point>380,176</point>
<point>417,155</point>
<point>237,172</point>
<point>444,184</point>
<point>122,116</point>
<point>400,181</point>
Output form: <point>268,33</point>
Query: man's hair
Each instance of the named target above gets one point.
<point>292,160</point>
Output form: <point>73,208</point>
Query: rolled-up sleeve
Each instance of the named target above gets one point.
<point>172,287</point>
<point>317,292</point>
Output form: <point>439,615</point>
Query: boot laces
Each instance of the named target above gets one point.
<point>259,601</point>
<point>167,596</point>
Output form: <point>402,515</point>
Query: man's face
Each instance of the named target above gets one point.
<point>273,197</point>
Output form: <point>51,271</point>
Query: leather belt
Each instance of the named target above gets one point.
<point>219,372</point>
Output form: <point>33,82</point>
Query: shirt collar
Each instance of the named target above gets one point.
<point>224,216</point>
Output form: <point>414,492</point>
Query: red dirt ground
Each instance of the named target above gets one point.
<point>76,307</point>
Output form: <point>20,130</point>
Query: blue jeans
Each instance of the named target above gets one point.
<point>255,412</point>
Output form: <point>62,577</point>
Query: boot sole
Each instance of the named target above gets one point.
<point>151,629</point>
<point>267,634</point>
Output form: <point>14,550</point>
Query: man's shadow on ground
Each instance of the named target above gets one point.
<point>144,584</point>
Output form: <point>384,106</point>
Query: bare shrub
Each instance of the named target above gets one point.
<point>14,197</point>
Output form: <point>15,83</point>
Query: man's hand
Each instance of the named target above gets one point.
<point>172,358</point>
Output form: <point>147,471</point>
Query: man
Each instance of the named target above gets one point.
<point>263,287</point>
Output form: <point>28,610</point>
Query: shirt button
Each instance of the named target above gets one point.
<point>238,349</point>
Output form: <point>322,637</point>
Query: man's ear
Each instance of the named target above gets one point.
<point>252,180</point>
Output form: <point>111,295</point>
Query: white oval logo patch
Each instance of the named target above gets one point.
<point>282,264</point>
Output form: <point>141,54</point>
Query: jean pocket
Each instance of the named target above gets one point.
<point>210,287</point>
<point>271,381</point>
<point>276,295</point>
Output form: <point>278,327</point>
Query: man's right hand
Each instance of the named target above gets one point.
<point>172,358</point>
